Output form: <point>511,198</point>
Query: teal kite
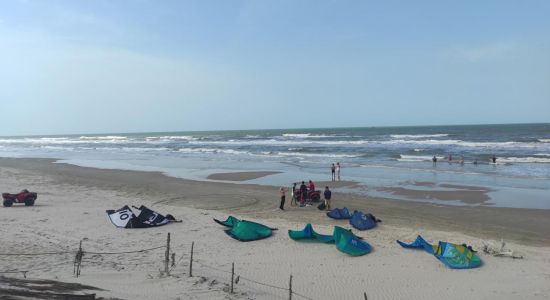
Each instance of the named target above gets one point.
<point>245,231</point>
<point>452,255</point>
<point>349,243</point>
<point>309,234</point>
<point>230,222</point>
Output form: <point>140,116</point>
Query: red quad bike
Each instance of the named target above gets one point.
<point>23,197</point>
<point>313,196</point>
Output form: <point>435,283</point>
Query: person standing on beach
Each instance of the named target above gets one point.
<point>494,159</point>
<point>328,195</point>
<point>333,170</point>
<point>338,170</point>
<point>303,193</point>
<point>283,197</point>
<point>450,158</point>
<point>434,160</point>
<point>293,195</point>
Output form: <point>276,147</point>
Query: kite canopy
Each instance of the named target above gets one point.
<point>309,234</point>
<point>338,213</point>
<point>246,231</point>
<point>230,222</point>
<point>349,243</point>
<point>452,255</point>
<point>362,221</point>
<point>125,218</point>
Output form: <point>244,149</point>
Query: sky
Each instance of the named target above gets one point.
<point>149,66</point>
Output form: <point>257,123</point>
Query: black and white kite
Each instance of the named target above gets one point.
<point>125,218</point>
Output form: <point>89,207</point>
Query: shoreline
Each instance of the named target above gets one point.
<point>525,226</point>
<point>240,176</point>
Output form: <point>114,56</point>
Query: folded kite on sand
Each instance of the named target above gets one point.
<point>349,243</point>
<point>452,255</point>
<point>125,218</point>
<point>230,222</point>
<point>339,214</point>
<point>344,239</point>
<point>245,231</point>
<point>362,221</point>
<point>309,234</point>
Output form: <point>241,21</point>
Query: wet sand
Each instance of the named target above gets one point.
<point>526,226</point>
<point>239,176</point>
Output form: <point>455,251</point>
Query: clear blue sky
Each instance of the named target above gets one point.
<point>131,66</point>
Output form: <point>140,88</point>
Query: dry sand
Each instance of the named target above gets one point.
<point>72,203</point>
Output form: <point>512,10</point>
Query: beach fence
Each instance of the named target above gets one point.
<point>196,267</point>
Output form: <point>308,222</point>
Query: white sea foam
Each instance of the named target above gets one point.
<point>170,138</point>
<point>298,154</point>
<point>417,158</point>
<point>57,148</point>
<point>417,136</point>
<point>38,141</point>
<point>419,150</point>
<point>297,135</point>
<point>103,138</point>
<point>524,160</point>
<point>542,154</point>
<point>274,142</point>
<point>462,143</point>
<point>316,136</point>
<point>212,150</point>
<point>544,140</point>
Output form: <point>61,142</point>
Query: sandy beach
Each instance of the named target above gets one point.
<point>72,202</point>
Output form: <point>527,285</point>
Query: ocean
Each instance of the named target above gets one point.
<point>374,156</point>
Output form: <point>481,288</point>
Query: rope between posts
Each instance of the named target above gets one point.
<point>266,284</point>
<point>176,264</point>
<point>210,267</point>
<point>300,295</point>
<point>35,254</point>
<point>254,281</point>
<point>124,252</point>
<point>66,252</point>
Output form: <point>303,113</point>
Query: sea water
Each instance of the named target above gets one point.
<point>373,156</point>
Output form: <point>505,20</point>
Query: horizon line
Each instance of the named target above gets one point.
<point>271,129</point>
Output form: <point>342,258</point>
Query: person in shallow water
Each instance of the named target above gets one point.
<point>494,159</point>
<point>434,160</point>
<point>338,170</point>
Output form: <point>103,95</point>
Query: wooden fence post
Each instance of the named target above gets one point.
<point>290,288</point>
<point>167,255</point>
<point>232,275</point>
<point>78,260</point>
<point>191,261</point>
<point>365,294</point>
<point>173,260</point>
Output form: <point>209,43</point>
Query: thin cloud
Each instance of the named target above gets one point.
<point>493,51</point>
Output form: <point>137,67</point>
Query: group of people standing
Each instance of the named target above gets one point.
<point>304,193</point>
<point>335,170</point>
<point>461,161</point>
